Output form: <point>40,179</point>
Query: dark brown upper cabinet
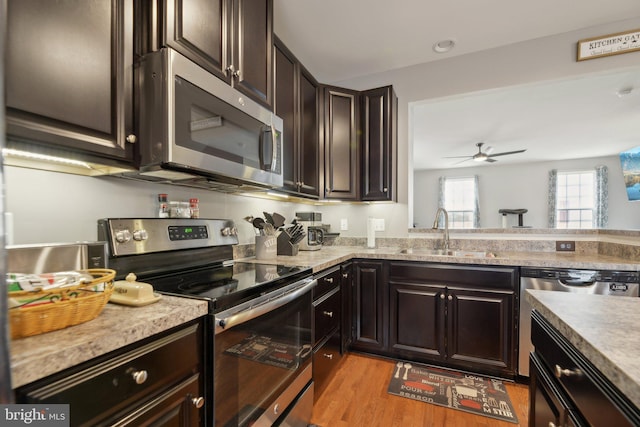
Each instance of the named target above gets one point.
<point>342,144</point>
<point>297,102</point>
<point>379,144</point>
<point>233,39</point>
<point>69,78</point>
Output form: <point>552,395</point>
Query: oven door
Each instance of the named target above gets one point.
<point>262,356</point>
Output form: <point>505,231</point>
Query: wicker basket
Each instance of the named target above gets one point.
<point>71,305</point>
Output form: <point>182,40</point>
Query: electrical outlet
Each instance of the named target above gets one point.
<point>565,245</point>
<point>344,224</point>
<point>378,224</point>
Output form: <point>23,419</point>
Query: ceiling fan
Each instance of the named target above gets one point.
<point>486,156</point>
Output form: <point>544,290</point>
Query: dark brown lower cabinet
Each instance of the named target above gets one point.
<point>370,296</point>
<point>155,382</point>
<point>461,316</point>
<point>461,327</point>
<point>567,390</point>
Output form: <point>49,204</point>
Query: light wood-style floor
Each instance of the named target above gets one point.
<point>357,396</point>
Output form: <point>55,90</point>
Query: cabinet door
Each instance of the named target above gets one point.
<point>252,51</point>
<point>480,329</point>
<point>179,407</point>
<point>369,306</point>
<point>379,144</point>
<point>297,103</point>
<point>309,146</point>
<point>546,407</point>
<point>417,320</point>
<point>200,30</point>
<point>341,165</point>
<point>69,75</point>
<point>286,107</point>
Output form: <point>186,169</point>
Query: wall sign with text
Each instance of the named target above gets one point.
<point>612,44</point>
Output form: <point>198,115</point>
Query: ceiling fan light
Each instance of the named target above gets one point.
<point>480,157</point>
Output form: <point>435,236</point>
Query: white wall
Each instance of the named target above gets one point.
<point>529,191</point>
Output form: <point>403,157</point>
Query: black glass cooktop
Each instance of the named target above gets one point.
<point>226,286</point>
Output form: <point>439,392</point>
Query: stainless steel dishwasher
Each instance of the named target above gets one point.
<point>599,282</point>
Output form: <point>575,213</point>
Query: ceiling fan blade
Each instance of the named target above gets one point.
<point>462,161</point>
<point>490,160</point>
<point>458,157</point>
<point>507,152</point>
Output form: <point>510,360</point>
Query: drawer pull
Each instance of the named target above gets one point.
<point>328,279</point>
<point>567,372</point>
<point>198,402</point>
<point>450,297</point>
<point>140,376</point>
<point>328,313</point>
<point>552,424</point>
<point>442,296</point>
<point>328,356</point>
<point>345,275</point>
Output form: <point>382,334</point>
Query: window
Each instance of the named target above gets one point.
<point>578,199</point>
<point>459,196</point>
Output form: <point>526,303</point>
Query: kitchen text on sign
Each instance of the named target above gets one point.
<point>612,44</point>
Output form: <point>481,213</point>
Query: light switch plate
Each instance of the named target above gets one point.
<point>344,224</point>
<point>378,224</point>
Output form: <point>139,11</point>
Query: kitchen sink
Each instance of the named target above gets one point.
<point>450,252</point>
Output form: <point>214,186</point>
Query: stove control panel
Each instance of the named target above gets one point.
<point>188,232</point>
<point>128,236</point>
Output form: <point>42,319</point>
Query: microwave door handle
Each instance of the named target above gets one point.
<point>264,157</point>
<point>274,148</point>
<point>222,324</point>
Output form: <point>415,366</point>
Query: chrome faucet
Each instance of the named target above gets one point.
<point>446,226</point>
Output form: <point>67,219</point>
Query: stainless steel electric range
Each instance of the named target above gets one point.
<point>258,341</point>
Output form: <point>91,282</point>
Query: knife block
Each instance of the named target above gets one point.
<point>285,247</point>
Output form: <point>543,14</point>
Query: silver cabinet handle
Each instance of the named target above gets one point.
<point>140,376</point>
<point>328,279</point>
<point>229,69</point>
<point>328,313</point>
<point>552,424</point>
<point>236,74</point>
<point>385,189</point>
<point>450,297</point>
<point>328,356</point>
<point>566,372</point>
<point>132,139</point>
<point>441,296</point>
<point>345,275</point>
<point>276,409</point>
<point>198,402</point>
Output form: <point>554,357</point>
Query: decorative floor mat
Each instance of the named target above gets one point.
<point>457,390</point>
<point>265,350</point>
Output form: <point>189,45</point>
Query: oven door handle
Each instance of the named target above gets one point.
<point>224,323</point>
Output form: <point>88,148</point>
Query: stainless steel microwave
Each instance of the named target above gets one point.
<point>195,128</point>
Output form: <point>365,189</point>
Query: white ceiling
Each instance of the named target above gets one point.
<point>338,40</point>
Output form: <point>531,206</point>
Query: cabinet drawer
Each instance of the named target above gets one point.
<point>476,276</point>
<point>327,314</point>
<point>326,282</point>
<point>103,390</point>
<point>597,400</point>
<point>325,360</point>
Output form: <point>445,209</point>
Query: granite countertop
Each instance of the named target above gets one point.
<point>117,326</point>
<point>329,256</point>
<point>601,329</point>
